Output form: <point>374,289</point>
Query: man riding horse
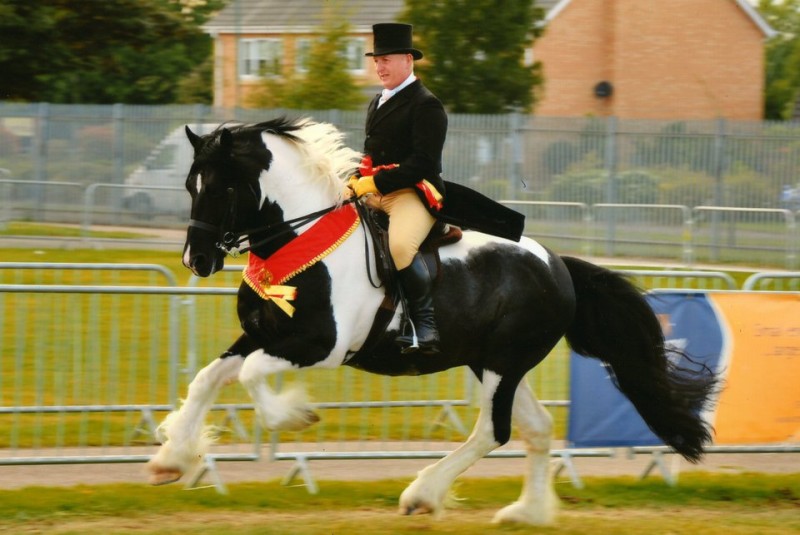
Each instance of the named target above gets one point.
<point>405,133</point>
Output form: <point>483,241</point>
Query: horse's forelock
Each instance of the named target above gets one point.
<point>245,149</point>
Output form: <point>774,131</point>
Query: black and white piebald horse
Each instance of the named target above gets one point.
<point>307,301</point>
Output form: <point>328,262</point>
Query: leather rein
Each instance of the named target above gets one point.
<point>229,241</point>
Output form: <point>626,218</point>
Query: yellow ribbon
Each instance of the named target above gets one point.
<point>300,254</point>
<point>280,295</point>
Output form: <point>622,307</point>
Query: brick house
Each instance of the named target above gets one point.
<point>659,59</point>
<point>688,59</point>
<point>274,35</point>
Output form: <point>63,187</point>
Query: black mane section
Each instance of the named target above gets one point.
<point>281,126</point>
<point>247,151</point>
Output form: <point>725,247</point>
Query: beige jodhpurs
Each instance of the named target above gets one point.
<point>409,223</point>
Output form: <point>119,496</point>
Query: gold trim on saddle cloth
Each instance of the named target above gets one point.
<point>266,275</point>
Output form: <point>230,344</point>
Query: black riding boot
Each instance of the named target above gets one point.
<point>418,287</point>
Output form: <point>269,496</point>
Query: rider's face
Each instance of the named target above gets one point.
<point>393,69</point>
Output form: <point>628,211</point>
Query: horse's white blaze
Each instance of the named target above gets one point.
<point>187,255</point>
<point>198,183</point>
<point>429,490</point>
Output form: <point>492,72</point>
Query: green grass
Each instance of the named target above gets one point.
<point>16,228</point>
<point>701,504</point>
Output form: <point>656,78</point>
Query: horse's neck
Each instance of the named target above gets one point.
<point>291,184</point>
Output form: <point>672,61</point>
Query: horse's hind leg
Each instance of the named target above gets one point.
<point>427,493</point>
<point>538,503</point>
<point>182,433</point>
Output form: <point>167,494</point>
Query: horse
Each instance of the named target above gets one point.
<point>500,305</point>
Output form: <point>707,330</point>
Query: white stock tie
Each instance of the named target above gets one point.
<point>385,95</point>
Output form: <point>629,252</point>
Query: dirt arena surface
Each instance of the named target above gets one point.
<point>621,464</point>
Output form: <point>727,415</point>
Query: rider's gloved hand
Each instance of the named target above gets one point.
<point>351,183</point>
<point>364,186</point>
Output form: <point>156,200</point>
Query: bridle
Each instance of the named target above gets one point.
<point>230,240</point>
<point>225,238</point>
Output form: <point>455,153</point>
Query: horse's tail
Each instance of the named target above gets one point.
<point>614,323</point>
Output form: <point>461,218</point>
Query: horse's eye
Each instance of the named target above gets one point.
<point>217,192</point>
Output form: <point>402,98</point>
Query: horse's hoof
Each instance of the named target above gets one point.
<point>312,417</point>
<point>163,476</point>
<point>416,509</point>
<point>300,420</point>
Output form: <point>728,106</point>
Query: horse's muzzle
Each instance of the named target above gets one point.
<point>202,265</point>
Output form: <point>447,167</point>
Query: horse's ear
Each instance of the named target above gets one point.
<point>226,140</point>
<point>194,139</point>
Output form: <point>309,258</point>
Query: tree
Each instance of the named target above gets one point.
<point>130,51</point>
<point>783,57</point>
<point>326,84</point>
<point>475,52</point>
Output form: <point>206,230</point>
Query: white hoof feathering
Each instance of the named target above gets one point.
<point>542,513</point>
<point>177,455</point>
<point>423,497</point>
<point>289,411</point>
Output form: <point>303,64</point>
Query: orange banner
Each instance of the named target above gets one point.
<point>761,366</point>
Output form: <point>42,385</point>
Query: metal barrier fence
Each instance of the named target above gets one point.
<point>757,237</point>
<point>523,157</point>
<point>772,282</point>
<point>93,355</point>
<point>591,160</point>
<point>90,362</point>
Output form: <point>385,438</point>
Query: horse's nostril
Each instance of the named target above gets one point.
<point>203,265</point>
<point>198,263</point>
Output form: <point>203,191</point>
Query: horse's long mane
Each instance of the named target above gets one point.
<point>324,154</point>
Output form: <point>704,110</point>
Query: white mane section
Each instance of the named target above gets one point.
<point>326,157</point>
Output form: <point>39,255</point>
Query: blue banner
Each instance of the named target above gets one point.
<point>600,416</point>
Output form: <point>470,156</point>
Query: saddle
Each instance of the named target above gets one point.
<point>376,224</point>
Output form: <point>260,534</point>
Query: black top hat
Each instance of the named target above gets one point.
<point>393,38</point>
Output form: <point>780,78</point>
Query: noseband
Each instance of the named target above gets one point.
<point>227,239</point>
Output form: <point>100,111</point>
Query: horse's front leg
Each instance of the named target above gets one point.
<point>285,411</point>
<point>183,439</point>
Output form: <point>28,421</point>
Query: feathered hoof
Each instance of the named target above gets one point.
<point>299,419</point>
<point>421,499</point>
<point>518,513</point>
<point>291,411</point>
<point>310,418</point>
<point>160,475</point>
<point>417,508</point>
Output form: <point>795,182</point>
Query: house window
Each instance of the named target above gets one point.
<point>260,57</point>
<point>529,58</point>
<point>354,53</point>
<point>302,53</point>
